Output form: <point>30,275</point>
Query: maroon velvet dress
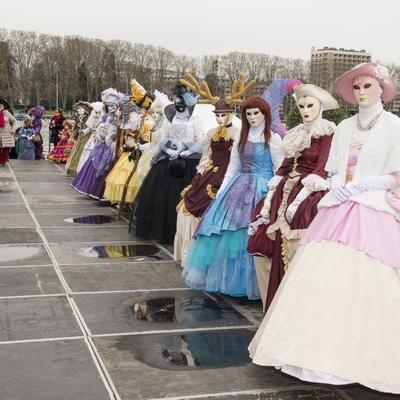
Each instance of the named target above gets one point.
<point>205,186</point>
<point>269,238</point>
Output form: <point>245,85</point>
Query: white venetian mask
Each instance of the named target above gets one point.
<point>309,108</point>
<point>366,90</point>
<point>255,117</point>
<point>220,117</point>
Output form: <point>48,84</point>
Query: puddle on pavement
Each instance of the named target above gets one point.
<point>144,251</point>
<point>184,309</point>
<point>91,219</point>
<point>204,350</point>
<point>16,253</point>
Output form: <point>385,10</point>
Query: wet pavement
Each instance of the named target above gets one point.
<point>102,315</point>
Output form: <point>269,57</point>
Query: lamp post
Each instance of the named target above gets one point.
<point>57,89</point>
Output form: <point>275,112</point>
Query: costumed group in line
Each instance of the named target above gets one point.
<point>24,142</point>
<point>307,220</point>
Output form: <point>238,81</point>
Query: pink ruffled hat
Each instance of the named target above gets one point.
<point>344,84</point>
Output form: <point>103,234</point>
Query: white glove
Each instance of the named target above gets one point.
<point>354,188</point>
<point>383,182</point>
<point>173,154</point>
<point>186,153</point>
<point>294,205</point>
<point>336,186</point>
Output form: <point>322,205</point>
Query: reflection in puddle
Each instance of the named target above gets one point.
<point>144,251</point>
<point>91,219</point>
<point>191,310</point>
<point>16,253</point>
<point>205,350</point>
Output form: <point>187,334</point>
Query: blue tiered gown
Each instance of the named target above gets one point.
<point>218,260</point>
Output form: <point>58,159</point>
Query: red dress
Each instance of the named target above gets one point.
<point>63,148</point>
<point>205,186</point>
<point>269,239</point>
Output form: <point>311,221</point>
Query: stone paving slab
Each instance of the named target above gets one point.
<point>85,208</point>
<point>127,276</point>
<point>110,313</point>
<point>134,379</point>
<point>32,166</point>
<point>23,254</point>
<point>15,209</point>
<point>16,220</point>
<point>54,188</point>
<point>89,253</point>
<point>60,199</point>
<point>6,179</point>
<point>50,221</point>
<point>11,197</point>
<point>86,234</point>
<point>36,318</point>
<point>19,235</point>
<point>311,393</point>
<point>16,281</point>
<point>43,177</point>
<point>357,392</point>
<point>59,370</point>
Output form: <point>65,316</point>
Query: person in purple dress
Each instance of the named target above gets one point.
<point>37,114</point>
<point>91,178</point>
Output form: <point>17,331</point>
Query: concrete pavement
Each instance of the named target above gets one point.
<point>88,312</point>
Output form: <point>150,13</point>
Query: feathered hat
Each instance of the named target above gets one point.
<point>140,96</point>
<point>111,96</point>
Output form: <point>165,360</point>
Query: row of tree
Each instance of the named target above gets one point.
<point>46,69</point>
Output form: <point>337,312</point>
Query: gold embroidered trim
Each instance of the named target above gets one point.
<point>185,190</point>
<point>210,191</point>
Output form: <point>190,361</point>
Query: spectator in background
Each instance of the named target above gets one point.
<point>7,130</point>
<point>56,125</point>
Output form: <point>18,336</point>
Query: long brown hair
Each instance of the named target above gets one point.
<point>254,102</point>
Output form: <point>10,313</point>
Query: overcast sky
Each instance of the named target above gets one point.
<point>287,28</point>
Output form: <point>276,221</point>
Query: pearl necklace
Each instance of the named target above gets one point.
<point>370,124</point>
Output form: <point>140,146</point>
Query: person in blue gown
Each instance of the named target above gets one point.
<point>218,260</point>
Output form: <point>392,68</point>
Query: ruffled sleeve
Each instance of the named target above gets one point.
<point>276,151</point>
<point>317,179</point>
<point>234,164</point>
<point>206,153</point>
<point>331,166</point>
<point>12,121</point>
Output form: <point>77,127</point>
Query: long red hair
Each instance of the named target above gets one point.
<point>254,102</point>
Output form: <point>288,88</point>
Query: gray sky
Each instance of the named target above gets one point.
<point>285,28</point>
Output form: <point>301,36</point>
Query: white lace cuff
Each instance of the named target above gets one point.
<point>315,183</point>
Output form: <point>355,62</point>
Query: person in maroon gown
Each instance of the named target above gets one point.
<point>281,218</point>
<point>210,173</point>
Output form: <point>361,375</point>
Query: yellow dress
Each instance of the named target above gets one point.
<point>117,177</point>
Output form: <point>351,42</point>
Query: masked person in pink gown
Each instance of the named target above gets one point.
<point>335,318</point>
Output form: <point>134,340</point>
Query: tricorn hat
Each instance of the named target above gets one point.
<point>221,106</point>
<point>328,102</point>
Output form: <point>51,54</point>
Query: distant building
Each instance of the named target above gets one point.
<point>329,63</point>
